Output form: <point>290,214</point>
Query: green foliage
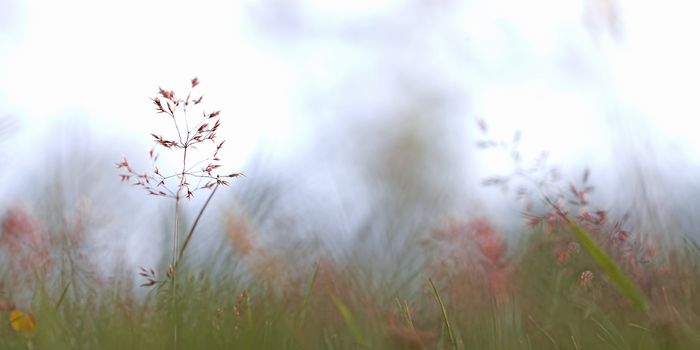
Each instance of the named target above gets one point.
<point>621,280</point>
<point>545,307</point>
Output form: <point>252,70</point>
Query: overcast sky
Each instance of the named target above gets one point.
<point>580,78</point>
<point>99,60</point>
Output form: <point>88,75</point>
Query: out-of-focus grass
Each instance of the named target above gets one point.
<point>611,269</point>
<point>534,300</point>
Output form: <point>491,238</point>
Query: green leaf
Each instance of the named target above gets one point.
<point>349,319</point>
<point>623,283</point>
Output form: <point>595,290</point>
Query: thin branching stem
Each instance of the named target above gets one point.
<point>196,221</point>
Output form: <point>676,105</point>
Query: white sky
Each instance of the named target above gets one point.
<point>101,61</point>
<point>534,67</point>
<point>528,65</point>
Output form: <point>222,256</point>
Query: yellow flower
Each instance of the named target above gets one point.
<point>22,322</point>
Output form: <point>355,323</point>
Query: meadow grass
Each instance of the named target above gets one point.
<point>575,279</point>
<point>545,303</point>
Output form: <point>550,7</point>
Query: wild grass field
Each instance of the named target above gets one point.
<point>574,277</point>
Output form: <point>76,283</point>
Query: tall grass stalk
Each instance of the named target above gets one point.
<point>443,312</point>
<point>183,185</point>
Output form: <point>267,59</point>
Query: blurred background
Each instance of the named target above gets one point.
<point>355,122</point>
